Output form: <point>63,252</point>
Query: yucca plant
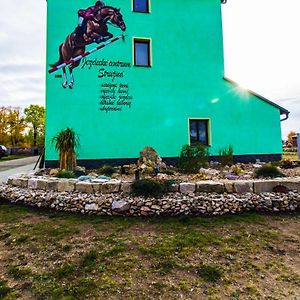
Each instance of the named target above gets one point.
<point>65,143</point>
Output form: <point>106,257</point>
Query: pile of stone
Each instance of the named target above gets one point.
<point>189,198</point>
<point>206,204</point>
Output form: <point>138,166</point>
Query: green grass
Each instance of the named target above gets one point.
<point>88,261</point>
<point>209,273</point>
<point>4,289</point>
<point>52,255</point>
<point>18,272</point>
<point>11,157</point>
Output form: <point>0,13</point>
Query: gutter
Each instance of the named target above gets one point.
<point>287,114</point>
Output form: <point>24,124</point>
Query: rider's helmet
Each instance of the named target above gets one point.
<point>99,4</point>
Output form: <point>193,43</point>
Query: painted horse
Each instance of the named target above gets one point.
<point>95,31</point>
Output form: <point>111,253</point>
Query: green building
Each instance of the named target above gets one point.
<point>162,86</point>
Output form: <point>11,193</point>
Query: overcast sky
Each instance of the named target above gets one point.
<point>261,43</point>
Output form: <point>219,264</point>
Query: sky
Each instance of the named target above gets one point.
<point>261,51</point>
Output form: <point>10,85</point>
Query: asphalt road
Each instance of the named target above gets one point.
<point>16,166</point>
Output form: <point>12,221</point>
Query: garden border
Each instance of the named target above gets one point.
<point>113,197</point>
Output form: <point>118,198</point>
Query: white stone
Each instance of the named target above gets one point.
<point>32,183</point>
<point>110,187</point>
<point>21,182</point>
<point>126,187</point>
<point>92,206</point>
<point>187,188</point>
<point>120,205</point>
<point>242,187</point>
<point>210,186</point>
<point>84,187</point>
<point>65,185</point>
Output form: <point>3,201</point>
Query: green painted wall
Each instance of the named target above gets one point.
<point>185,81</point>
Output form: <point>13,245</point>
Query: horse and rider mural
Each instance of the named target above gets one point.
<point>92,28</point>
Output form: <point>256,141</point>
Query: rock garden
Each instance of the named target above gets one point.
<point>195,186</point>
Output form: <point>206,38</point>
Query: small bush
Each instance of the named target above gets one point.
<point>106,170</point>
<point>192,158</point>
<point>268,170</point>
<point>148,188</point>
<point>65,174</point>
<point>226,156</point>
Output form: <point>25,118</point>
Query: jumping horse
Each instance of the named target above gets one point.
<point>95,31</point>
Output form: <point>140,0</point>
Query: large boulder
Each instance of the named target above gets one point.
<point>149,160</point>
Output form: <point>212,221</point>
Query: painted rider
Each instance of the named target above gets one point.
<point>88,14</point>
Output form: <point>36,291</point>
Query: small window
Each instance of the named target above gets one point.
<point>142,53</point>
<point>141,6</point>
<point>199,132</point>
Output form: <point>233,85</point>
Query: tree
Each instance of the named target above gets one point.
<point>290,140</point>
<point>35,116</point>
<point>65,143</point>
<point>3,125</point>
<point>15,125</point>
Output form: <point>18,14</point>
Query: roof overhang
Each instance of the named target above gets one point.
<point>282,110</point>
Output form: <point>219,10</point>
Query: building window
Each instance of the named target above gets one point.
<point>142,53</point>
<point>141,6</point>
<point>199,131</point>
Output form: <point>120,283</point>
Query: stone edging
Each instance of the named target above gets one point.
<point>113,198</point>
<point>115,186</point>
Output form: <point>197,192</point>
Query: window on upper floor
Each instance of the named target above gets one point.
<point>141,6</point>
<point>142,52</point>
<point>199,131</point>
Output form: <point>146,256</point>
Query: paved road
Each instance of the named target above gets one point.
<point>16,166</point>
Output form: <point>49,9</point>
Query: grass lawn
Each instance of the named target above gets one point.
<point>11,157</point>
<point>48,255</point>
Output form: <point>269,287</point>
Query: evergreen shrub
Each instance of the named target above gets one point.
<point>267,171</point>
<point>148,188</point>
<point>65,174</point>
<point>193,157</point>
<point>106,170</point>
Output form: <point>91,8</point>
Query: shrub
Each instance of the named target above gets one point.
<point>65,174</point>
<point>193,157</point>
<point>268,170</point>
<point>148,188</point>
<point>226,156</point>
<point>106,170</point>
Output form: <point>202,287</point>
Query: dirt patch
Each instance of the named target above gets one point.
<point>54,255</point>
